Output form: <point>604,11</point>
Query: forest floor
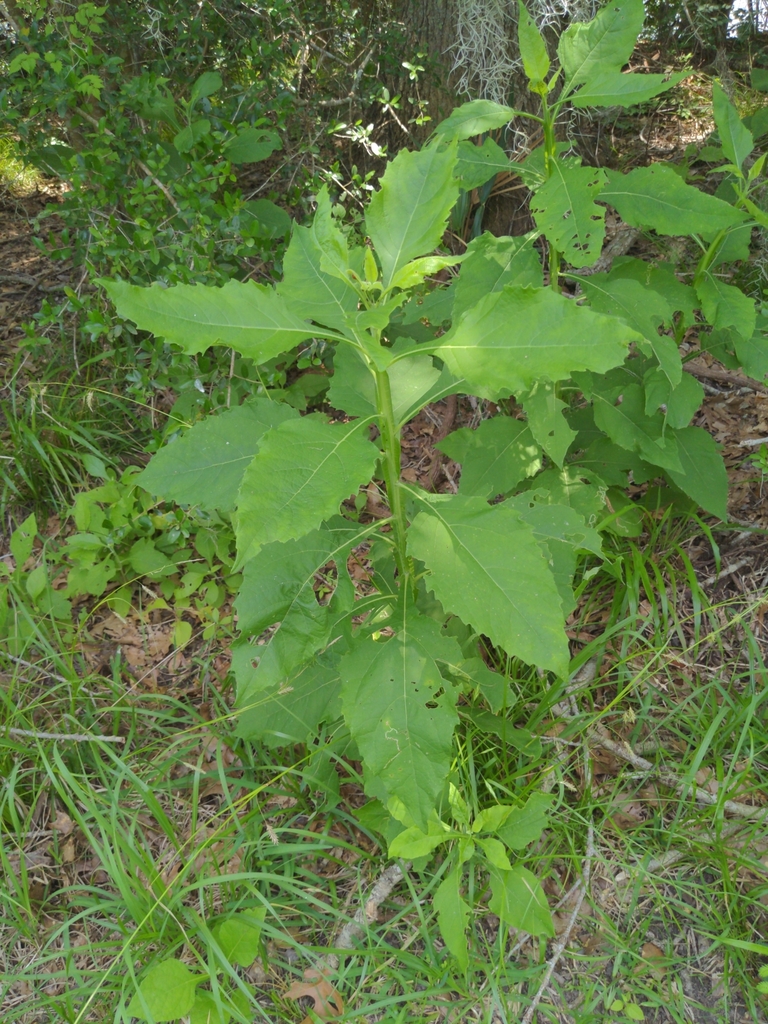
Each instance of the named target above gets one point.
<point>658,763</point>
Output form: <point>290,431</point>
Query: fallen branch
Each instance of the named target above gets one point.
<point>75,737</point>
<point>565,938</point>
<point>37,668</point>
<point>365,915</point>
<point>32,282</point>
<point>596,734</point>
<point>736,380</point>
<point>583,676</point>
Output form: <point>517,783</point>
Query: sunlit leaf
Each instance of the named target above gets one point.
<point>519,901</point>
<point>400,710</point>
<point>251,318</point>
<point>166,992</point>
<point>566,213</point>
<point>487,567</point>
<point>304,469</point>
<point>514,336</point>
<point>408,215</point>
<point>206,464</point>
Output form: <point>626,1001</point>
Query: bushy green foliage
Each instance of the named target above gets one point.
<point>601,381</point>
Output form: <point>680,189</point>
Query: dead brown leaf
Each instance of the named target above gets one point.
<point>328,1002</point>
<point>62,824</point>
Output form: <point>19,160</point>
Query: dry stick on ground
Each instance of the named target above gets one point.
<point>583,886</point>
<point>735,380</point>
<point>366,914</point>
<point>75,737</point>
<point>597,734</point>
<point>51,675</point>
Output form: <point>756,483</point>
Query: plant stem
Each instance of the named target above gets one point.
<point>390,438</point>
<point>708,258</point>
<point>554,268</point>
<point>550,157</point>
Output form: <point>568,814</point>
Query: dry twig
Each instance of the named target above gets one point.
<point>75,737</point>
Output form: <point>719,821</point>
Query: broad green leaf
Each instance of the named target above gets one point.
<point>400,710</point>
<point>408,215</point>
<point>567,486</point>
<point>168,991</point>
<point>533,49</point>
<point>416,271</point>
<point>490,819</point>
<point>524,825</point>
<point>492,262</point>
<point>310,292</point>
<point>545,418</point>
<point>252,145</point>
<point>519,901</point>
<point>533,170</point>
<point>495,853</point>
<point>414,382</point>
<point>513,337</point>
<point>261,218</point>
<point>735,246</point>
<point>376,318</point>
<point>656,197</point>
<point>562,532</point>
<point>661,278</point>
<point>627,425</point>
<point>413,843</point>
<point>189,136</point>
<point>643,309</point>
<point>329,239</point>
<point>23,541</point>
<point>279,587</point>
<point>725,305</point>
<point>477,164</point>
<point>453,917</point>
<point>487,567</point>
<point>565,211</point>
<point>760,79</point>
<point>614,89</point>
<point>495,457</point>
<point>304,469</point>
<point>147,560</point>
<point>753,353</point>
<point>206,464</point>
<point>587,49</point>
<point>474,118</point>
<point>436,306</point>
<point>680,402</point>
<point>736,140</point>
<point>703,475</point>
<point>610,462</point>
<point>206,85</point>
<point>239,936</point>
<point>205,1010</point>
<point>251,318</point>
<point>493,686</point>
<point>292,712</point>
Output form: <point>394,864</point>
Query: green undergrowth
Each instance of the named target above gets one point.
<point>120,856</point>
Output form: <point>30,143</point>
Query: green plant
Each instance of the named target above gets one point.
<point>120,538</point>
<point>603,390</point>
<point>168,990</point>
